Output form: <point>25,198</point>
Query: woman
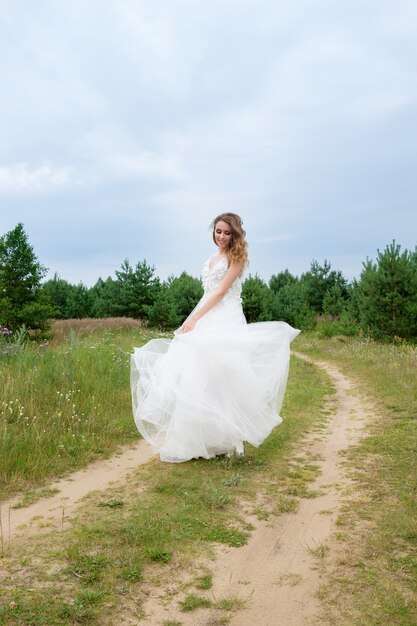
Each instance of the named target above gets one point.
<point>219,381</point>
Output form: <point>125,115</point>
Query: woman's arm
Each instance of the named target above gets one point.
<point>232,273</point>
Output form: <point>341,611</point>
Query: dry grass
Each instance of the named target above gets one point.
<point>61,329</point>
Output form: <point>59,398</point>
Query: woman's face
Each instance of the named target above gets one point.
<point>222,235</point>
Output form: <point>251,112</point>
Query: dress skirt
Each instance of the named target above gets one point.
<point>207,391</point>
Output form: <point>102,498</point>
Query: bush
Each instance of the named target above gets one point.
<point>290,305</point>
<point>163,312</point>
<point>258,302</point>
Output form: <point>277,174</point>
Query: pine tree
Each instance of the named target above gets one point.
<point>59,291</point>
<point>136,289</point>
<point>104,295</point>
<point>388,294</point>
<point>278,281</point>
<point>319,280</point>
<point>23,301</point>
<point>80,302</point>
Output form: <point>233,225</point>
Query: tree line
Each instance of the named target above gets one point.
<point>381,303</point>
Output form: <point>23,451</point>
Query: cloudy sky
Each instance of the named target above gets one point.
<point>128,125</point>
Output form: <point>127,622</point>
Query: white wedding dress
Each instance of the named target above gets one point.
<point>205,392</point>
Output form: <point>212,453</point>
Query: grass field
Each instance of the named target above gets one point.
<point>67,402</point>
<point>162,517</point>
<point>131,539</point>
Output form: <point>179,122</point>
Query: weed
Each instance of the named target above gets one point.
<point>261,513</point>
<point>233,481</point>
<point>230,536</point>
<point>319,551</point>
<point>215,497</point>
<point>88,567</point>
<point>290,580</point>
<point>285,504</point>
<point>204,582</point>
<point>114,503</point>
<point>230,604</point>
<point>193,602</point>
<point>341,536</point>
<point>158,555</point>
<point>132,574</point>
<point>32,496</point>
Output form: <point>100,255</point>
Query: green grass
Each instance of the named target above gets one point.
<point>204,582</point>
<point>64,405</point>
<point>33,495</point>
<point>193,602</point>
<point>385,371</point>
<point>377,570</point>
<point>160,522</point>
<point>230,604</point>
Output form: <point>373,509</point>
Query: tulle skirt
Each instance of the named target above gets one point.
<point>205,392</point>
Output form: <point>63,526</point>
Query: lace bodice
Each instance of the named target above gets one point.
<point>213,273</point>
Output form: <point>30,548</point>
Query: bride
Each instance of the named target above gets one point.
<point>220,381</point>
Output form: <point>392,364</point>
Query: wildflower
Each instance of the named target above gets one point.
<point>5,331</point>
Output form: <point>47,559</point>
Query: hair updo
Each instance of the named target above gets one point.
<point>238,247</point>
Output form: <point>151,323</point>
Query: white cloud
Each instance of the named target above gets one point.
<point>147,164</point>
<point>22,178</point>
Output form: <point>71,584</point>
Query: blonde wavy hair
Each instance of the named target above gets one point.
<point>238,248</point>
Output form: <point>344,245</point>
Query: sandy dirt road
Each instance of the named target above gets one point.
<point>55,512</point>
<point>280,562</point>
<point>276,573</point>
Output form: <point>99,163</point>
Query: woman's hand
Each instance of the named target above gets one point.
<point>188,325</point>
